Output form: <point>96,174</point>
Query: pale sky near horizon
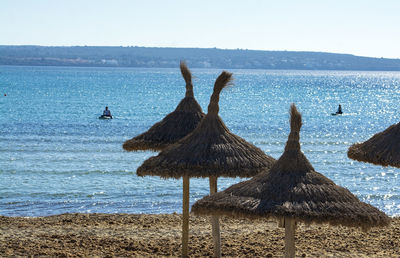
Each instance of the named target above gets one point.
<point>359,27</point>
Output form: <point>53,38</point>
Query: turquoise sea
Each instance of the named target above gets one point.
<point>56,156</point>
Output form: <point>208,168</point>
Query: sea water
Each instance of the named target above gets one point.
<point>56,156</point>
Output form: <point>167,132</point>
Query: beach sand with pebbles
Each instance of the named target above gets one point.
<point>109,235</point>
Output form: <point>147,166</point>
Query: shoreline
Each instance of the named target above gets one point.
<point>97,234</point>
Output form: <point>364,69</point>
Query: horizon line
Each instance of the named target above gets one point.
<point>228,49</point>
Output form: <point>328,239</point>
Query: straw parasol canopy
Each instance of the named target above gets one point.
<point>381,149</point>
<point>177,124</point>
<point>211,150</point>
<point>293,191</point>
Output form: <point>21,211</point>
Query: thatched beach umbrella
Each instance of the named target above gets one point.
<point>211,150</point>
<point>292,191</point>
<point>177,124</point>
<point>381,149</point>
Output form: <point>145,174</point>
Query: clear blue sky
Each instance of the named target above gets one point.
<point>360,27</point>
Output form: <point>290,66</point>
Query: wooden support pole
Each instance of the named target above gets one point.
<point>215,221</point>
<point>290,228</point>
<point>185,217</point>
<point>281,222</point>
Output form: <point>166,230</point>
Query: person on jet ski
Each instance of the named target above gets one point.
<point>107,112</point>
<point>339,111</point>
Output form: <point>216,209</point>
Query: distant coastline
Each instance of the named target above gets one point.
<point>99,56</point>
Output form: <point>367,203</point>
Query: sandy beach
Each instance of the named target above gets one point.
<point>109,235</point>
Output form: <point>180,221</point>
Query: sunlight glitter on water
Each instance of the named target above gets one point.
<point>73,162</point>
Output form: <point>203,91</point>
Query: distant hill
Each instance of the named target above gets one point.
<point>195,57</point>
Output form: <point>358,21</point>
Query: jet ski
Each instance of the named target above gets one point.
<point>337,113</point>
<point>105,117</point>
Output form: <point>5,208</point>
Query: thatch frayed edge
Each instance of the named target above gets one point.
<point>356,152</point>
<point>224,79</point>
<point>252,216</point>
<point>293,142</point>
<point>187,76</point>
<point>141,145</point>
<point>295,119</point>
<point>200,172</point>
<point>381,149</point>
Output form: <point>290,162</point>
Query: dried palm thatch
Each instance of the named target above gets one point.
<point>292,188</point>
<point>177,124</point>
<point>292,191</point>
<point>381,149</point>
<point>210,150</point>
